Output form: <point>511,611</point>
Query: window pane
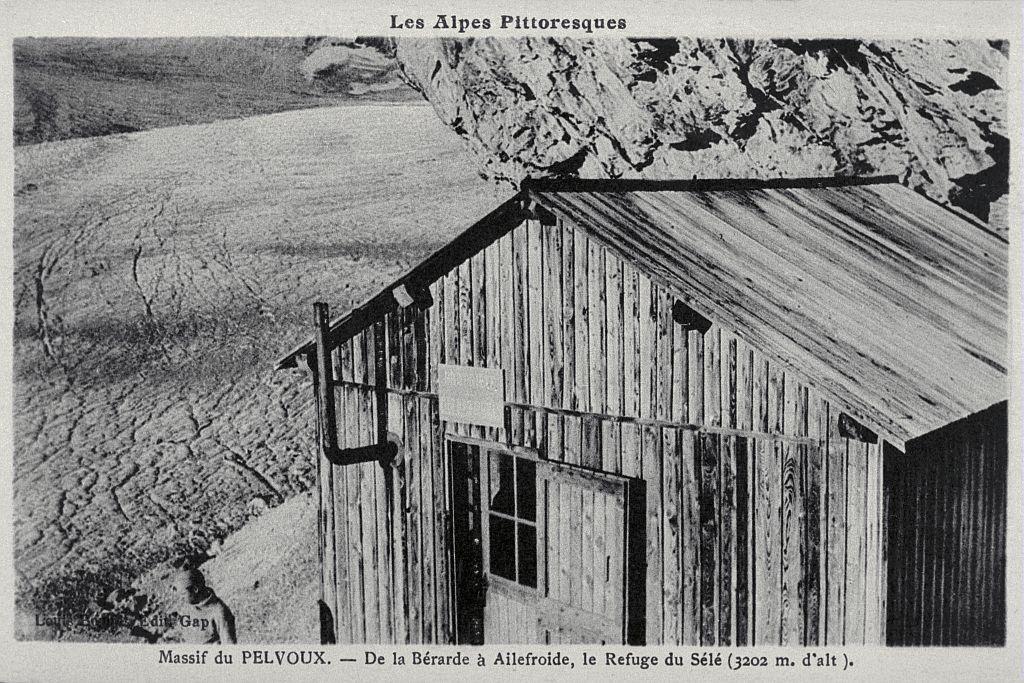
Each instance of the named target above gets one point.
<point>502,496</point>
<point>527,555</point>
<point>503,547</point>
<point>526,489</point>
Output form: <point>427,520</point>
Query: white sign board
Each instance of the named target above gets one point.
<point>472,395</point>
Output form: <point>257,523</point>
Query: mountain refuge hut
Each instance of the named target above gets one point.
<point>703,412</point>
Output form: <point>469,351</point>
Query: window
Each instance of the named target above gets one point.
<point>512,517</point>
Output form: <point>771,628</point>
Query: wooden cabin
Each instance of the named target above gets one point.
<point>704,412</point>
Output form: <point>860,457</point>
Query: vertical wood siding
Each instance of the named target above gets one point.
<point>947,535</point>
<point>763,524</point>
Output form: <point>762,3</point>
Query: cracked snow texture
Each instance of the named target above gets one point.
<point>157,277</point>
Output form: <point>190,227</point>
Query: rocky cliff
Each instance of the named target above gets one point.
<point>931,112</point>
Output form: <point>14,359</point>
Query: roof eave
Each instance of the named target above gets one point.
<point>503,218</point>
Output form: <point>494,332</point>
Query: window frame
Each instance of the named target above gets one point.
<point>553,614</point>
<point>485,449</point>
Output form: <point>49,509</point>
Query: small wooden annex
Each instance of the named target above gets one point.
<point>704,412</point>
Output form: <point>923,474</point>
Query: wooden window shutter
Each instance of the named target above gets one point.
<point>590,556</point>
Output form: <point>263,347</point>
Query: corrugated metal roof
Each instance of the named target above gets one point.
<point>878,295</point>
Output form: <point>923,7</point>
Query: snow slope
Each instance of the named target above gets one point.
<point>157,276</point>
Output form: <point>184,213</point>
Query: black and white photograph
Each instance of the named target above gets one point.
<point>572,338</point>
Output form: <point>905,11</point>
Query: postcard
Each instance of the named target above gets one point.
<point>582,340</point>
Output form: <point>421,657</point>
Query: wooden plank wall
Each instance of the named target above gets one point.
<point>763,524</point>
<point>509,619</point>
<point>357,567</point>
<point>947,535</point>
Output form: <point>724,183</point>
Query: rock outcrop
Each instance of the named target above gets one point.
<point>931,112</point>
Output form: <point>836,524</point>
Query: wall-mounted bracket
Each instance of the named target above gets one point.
<point>534,211</point>
<point>852,429</point>
<point>689,319</point>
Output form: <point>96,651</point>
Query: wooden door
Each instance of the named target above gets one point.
<point>510,542</point>
<point>467,561</point>
<point>584,591</point>
<point>495,541</point>
<point>543,551</point>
